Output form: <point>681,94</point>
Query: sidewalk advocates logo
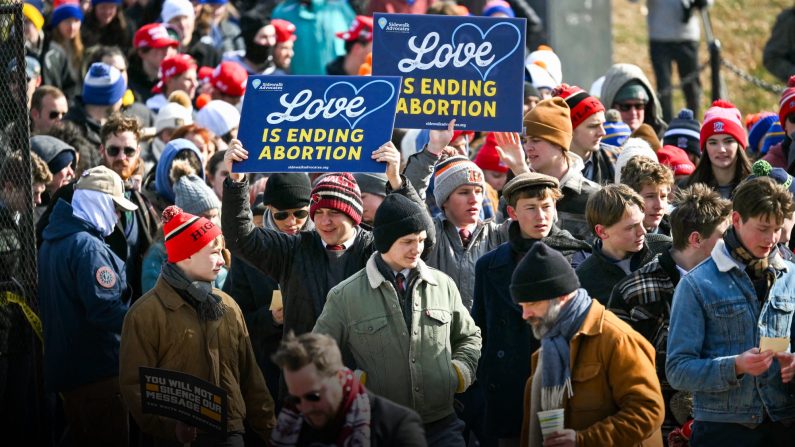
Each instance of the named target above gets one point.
<point>267,86</point>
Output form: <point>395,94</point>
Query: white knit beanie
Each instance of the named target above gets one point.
<point>633,147</point>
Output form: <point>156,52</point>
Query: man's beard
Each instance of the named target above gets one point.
<point>125,170</point>
<point>542,325</point>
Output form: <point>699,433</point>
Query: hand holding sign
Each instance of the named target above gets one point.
<point>234,154</point>
<point>389,154</point>
<point>439,139</point>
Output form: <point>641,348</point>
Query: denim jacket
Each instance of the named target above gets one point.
<point>715,317</point>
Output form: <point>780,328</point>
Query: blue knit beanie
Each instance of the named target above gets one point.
<point>765,133</point>
<point>616,131</point>
<point>94,3</point>
<point>103,85</point>
<point>65,11</point>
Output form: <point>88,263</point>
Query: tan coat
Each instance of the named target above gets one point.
<point>617,399</point>
<point>161,330</point>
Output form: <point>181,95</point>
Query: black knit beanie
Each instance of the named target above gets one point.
<point>287,191</point>
<point>543,274</point>
<point>396,217</point>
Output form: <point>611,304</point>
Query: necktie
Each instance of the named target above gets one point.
<point>465,235</point>
<point>400,281</point>
<point>335,247</point>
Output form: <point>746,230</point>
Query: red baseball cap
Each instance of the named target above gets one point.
<point>230,78</point>
<point>361,29</point>
<point>676,159</point>
<point>153,35</point>
<point>205,74</point>
<point>285,31</point>
<point>174,66</point>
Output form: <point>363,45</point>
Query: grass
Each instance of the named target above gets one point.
<point>741,26</point>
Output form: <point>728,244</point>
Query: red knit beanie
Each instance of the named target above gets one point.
<point>582,104</point>
<point>185,233</point>
<point>787,102</point>
<point>338,192</point>
<point>488,159</point>
<point>723,118</point>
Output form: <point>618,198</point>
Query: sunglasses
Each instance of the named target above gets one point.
<point>56,114</point>
<point>313,397</point>
<point>129,151</point>
<point>299,214</point>
<point>791,118</point>
<point>626,107</point>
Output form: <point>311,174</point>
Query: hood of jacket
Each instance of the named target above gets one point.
<point>63,223</point>
<point>163,184</point>
<point>620,74</point>
<point>269,224</point>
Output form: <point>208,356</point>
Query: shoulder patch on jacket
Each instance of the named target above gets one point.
<point>106,277</point>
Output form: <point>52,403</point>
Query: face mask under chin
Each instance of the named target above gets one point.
<point>259,54</point>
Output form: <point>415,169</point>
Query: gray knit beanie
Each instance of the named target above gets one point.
<point>454,172</point>
<point>194,196</point>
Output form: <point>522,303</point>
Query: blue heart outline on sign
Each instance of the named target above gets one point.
<point>483,36</point>
<point>356,92</point>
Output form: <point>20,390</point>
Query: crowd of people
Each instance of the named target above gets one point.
<point>626,266</point>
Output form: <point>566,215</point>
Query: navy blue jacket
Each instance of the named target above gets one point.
<point>508,342</point>
<point>83,298</point>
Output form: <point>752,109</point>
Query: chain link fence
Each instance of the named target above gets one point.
<point>20,351</point>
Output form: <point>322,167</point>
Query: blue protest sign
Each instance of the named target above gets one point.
<point>467,68</point>
<point>316,123</point>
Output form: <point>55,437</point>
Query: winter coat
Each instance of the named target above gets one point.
<point>508,341</point>
<point>599,274</point>
<point>54,67</point>
<point>391,425</point>
<point>620,74</point>
<point>316,23</point>
<point>146,221</point>
<point>83,298</point>
<point>420,367</point>
<point>617,399</point>
<point>89,127</point>
<point>576,190</point>
<point>163,331</point>
<point>15,332</point>
<point>779,53</point>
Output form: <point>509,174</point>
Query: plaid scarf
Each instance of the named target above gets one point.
<point>758,269</point>
<point>355,430</point>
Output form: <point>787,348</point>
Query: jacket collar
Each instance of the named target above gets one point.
<point>573,178</point>
<point>594,320</point>
<point>725,262</point>
<point>375,278</point>
<point>168,296</point>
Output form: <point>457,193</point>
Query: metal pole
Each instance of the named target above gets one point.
<point>714,57</point>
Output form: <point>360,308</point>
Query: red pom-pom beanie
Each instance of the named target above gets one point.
<point>723,118</point>
<point>185,233</point>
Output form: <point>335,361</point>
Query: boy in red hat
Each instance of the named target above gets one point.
<point>178,72</point>
<point>229,82</point>
<point>162,331</point>
<point>283,51</point>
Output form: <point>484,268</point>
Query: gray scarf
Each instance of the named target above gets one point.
<point>555,358</point>
<point>198,294</point>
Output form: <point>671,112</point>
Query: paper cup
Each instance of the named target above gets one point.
<point>550,421</point>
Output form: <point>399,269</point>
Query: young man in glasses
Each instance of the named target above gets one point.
<point>135,230</point>
<point>286,197</point>
<point>47,109</point>
<point>329,406</point>
<point>628,90</point>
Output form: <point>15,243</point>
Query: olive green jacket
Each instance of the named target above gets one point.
<point>421,367</point>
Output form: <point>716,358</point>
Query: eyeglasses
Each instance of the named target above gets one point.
<point>313,397</point>
<point>299,214</point>
<point>791,118</point>
<point>54,114</point>
<point>626,107</point>
<point>129,151</point>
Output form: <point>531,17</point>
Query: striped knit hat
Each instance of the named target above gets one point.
<point>454,172</point>
<point>616,131</point>
<point>338,192</point>
<point>684,132</point>
<point>581,104</point>
<point>787,102</point>
<point>185,233</point>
